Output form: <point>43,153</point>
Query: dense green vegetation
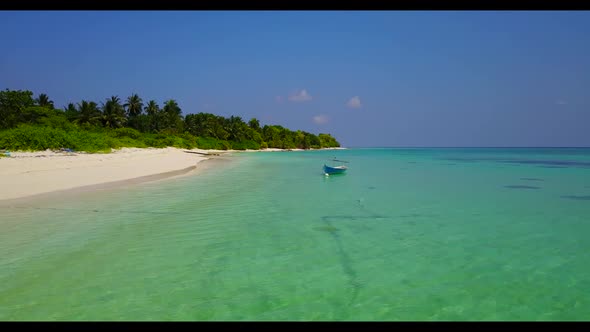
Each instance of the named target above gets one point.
<point>28,123</point>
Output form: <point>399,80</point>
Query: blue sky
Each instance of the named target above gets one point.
<point>383,78</point>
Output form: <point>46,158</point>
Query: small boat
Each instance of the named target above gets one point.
<point>335,169</point>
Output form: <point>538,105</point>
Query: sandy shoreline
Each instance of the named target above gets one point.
<point>33,173</point>
<point>29,174</point>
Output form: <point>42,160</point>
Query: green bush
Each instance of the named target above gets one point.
<point>154,142</point>
<point>245,145</point>
<point>37,138</point>
<point>56,132</point>
<point>210,143</point>
<point>127,132</point>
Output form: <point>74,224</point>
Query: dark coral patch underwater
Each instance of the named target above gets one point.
<point>532,179</point>
<point>576,197</point>
<point>517,186</point>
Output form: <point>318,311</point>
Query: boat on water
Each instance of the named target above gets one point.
<point>335,169</point>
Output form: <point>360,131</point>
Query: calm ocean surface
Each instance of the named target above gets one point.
<point>407,234</point>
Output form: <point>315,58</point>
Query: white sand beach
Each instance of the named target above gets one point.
<point>32,173</point>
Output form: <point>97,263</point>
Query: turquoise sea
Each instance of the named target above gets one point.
<point>406,234</point>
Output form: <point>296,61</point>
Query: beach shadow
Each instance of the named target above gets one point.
<point>109,211</point>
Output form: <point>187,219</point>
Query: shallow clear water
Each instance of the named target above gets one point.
<point>407,234</point>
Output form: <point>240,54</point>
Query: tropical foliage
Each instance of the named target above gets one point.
<point>28,123</point>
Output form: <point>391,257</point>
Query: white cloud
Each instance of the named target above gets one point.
<point>300,96</point>
<point>354,102</point>
<point>320,119</point>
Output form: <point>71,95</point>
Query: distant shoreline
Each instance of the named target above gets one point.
<point>470,147</point>
<point>44,173</point>
<point>286,150</point>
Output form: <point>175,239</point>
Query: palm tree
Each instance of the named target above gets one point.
<point>113,113</point>
<point>254,124</point>
<point>172,114</point>
<point>88,112</point>
<point>43,101</point>
<point>153,112</point>
<point>171,108</point>
<point>235,127</point>
<point>134,105</point>
<point>152,108</point>
<point>71,112</point>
